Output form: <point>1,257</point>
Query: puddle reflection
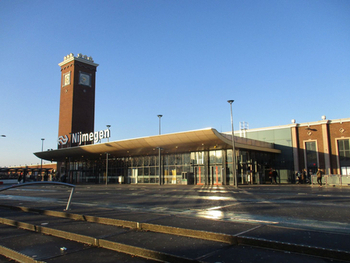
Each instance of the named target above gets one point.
<point>212,214</point>
<point>216,198</point>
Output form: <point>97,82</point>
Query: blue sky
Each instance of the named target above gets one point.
<point>278,59</point>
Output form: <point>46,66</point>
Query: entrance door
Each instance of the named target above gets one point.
<point>199,175</point>
<point>216,175</point>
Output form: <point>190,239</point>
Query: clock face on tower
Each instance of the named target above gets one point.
<point>84,79</point>
<point>66,79</point>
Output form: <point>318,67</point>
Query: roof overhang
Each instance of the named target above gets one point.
<point>198,140</point>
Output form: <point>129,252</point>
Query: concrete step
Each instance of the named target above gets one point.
<point>157,240</point>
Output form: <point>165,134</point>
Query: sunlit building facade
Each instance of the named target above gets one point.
<point>200,157</point>
<point>323,144</point>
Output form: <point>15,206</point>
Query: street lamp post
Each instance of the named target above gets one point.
<point>233,148</point>
<point>108,126</point>
<point>42,149</point>
<point>159,149</point>
<point>159,116</point>
<point>106,168</point>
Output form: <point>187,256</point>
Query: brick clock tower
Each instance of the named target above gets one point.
<point>77,101</point>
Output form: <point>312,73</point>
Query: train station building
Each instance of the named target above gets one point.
<point>201,157</point>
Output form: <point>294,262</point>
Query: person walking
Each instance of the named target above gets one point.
<point>274,176</point>
<point>271,176</point>
<point>319,177</point>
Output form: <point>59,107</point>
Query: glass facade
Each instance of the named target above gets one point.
<point>282,140</point>
<point>201,168</point>
<point>145,169</point>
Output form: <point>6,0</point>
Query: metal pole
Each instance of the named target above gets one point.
<point>160,167</point>
<point>106,168</point>
<point>108,126</point>
<point>159,116</point>
<point>42,149</point>
<point>233,148</point>
<point>70,199</point>
<point>160,176</point>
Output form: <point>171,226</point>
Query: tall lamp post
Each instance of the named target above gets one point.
<point>108,126</point>
<point>159,149</point>
<point>42,149</point>
<point>233,148</point>
<point>159,116</point>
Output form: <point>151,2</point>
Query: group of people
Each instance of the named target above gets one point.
<point>304,178</point>
<point>22,178</point>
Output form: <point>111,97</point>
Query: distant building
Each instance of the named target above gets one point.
<point>27,173</point>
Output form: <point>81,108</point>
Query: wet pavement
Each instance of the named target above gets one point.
<point>265,223</point>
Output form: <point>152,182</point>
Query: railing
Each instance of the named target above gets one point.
<point>47,183</point>
<point>333,179</point>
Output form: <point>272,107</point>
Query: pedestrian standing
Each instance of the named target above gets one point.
<point>270,176</point>
<point>319,177</point>
<point>19,178</point>
<point>303,176</point>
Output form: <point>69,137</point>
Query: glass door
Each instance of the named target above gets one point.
<point>199,175</point>
<point>216,175</point>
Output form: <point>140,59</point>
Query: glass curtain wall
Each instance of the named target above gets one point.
<point>201,168</point>
<point>95,171</point>
<point>174,166</point>
<point>79,172</point>
<point>145,169</point>
<point>252,167</point>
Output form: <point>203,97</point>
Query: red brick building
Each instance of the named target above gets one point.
<point>308,146</point>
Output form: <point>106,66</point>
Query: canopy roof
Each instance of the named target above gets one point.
<point>198,140</point>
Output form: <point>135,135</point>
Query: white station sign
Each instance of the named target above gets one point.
<point>80,137</point>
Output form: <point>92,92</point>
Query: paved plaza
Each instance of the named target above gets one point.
<point>266,223</point>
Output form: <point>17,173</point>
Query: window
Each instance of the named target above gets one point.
<point>199,157</point>
<point>146,161</point>
<point>171,159</point>
<point>215,157</point>
<point>178,159</point>
<point>229,156</point>
<point>212,158</point>
<point>186,158</point>
<point>311,156</point>
<point>344,156</point>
